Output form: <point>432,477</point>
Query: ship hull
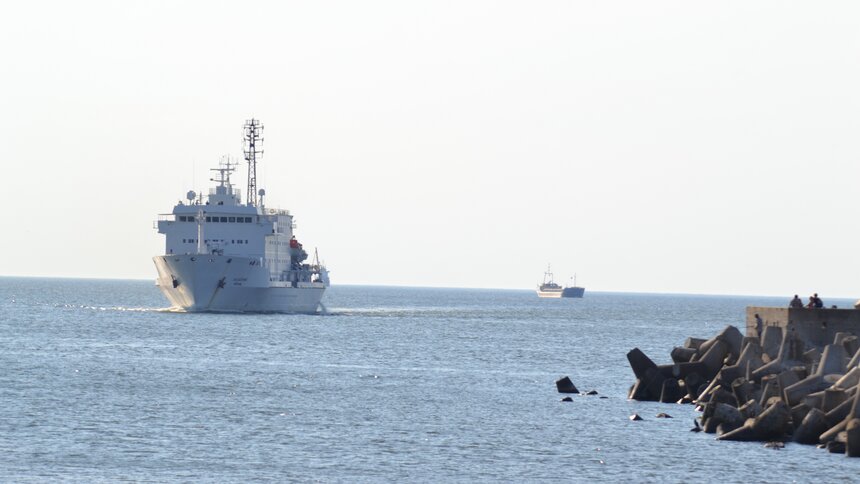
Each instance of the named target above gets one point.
<point>573,292</point>
<point>549,294</point>
<point>221,283</point>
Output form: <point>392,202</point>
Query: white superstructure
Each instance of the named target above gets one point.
<point>549,288</point>
<point>223,255</point>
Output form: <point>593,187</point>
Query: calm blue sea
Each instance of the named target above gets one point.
<point>98,383</point>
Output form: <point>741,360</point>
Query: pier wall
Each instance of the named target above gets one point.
<point>814,326</point>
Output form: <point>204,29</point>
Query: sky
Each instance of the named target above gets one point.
<point>661,146</point>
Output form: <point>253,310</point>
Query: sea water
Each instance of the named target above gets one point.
<point>99,383</point>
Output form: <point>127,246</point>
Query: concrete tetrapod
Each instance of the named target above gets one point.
<point>813,400</point>
<point>671,391</point>
<point>734,339</point>
<point>813,425</point>
<point>851,344</point>
<point>771,340</point>
<point>751,409</point>
<point>725,418</point>
<point>694,343</point>
<point>798,413</point>
<point>852,438</point>
<point>713,359</point>
<point>850,379</point>
<point>833,397</point>
<point>855,360</point>
<point>649,378</point>
<point>693,383</point>
<point>783,361</point>
<point>839,413</point>
<point>565,385</point>
<point>770,389</point>
<point>788,391</point>
<point>771,424</point>
<point>811,358</point>
<point>832,361</point>
<point>639,362</point>
<point>848,341</point>
<point>787,378</point>
<point>750,356</point>
<point>743,389</point>
<point>853,413</point>
<point>682,355</point>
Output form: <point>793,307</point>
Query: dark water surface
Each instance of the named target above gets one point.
<point>396,384</point>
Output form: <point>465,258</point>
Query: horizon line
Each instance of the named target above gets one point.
<point>102,278</point>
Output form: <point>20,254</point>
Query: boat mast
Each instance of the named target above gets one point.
<point>253,144</point>
<point>201,245</point>
<point>225,168</point>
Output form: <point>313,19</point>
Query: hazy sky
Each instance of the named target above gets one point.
<point>693,147</point>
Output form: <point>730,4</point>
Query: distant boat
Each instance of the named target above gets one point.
<point>549,288</point>
<point>574,290</point>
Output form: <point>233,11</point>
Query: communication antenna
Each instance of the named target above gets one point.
<point>253,147</point>
<point>225,168</point>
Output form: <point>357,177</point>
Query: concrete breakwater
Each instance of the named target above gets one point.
<point>780,386</point>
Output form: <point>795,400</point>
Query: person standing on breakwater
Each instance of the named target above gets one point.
<point>758,325</point>
<point>796,302</point>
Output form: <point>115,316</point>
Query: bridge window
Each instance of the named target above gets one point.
<point>209,219</point>
<point>224,219</point>
<point>232,219</point>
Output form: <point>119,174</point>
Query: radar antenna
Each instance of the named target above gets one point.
<point>225,168</point>
<point>253,147</point>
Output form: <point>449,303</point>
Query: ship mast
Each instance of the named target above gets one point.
<point>253,147</point>
<point>225,168</point>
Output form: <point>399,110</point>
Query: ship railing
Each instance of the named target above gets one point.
<point>305,274</point>
<point>164,217</point>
